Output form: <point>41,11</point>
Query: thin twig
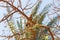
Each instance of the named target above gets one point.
<point>7,16</point>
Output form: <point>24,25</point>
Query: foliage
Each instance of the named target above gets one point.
<point>34,32</point>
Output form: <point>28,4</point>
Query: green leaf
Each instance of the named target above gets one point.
<point>46,8</point>
<point>40,20</point>
<point>20,25</point>
<point>43,14</point>
<point>35,9</point>
<point>12,27</point>
<point>52,22</point>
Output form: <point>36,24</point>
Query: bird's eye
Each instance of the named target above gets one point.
<point>26,24</point>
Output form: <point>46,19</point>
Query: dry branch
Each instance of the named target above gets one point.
<point>6,16</point>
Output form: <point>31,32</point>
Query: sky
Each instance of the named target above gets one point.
<point>2,13</point>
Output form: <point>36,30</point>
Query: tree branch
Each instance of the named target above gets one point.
<point>6,16</point>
